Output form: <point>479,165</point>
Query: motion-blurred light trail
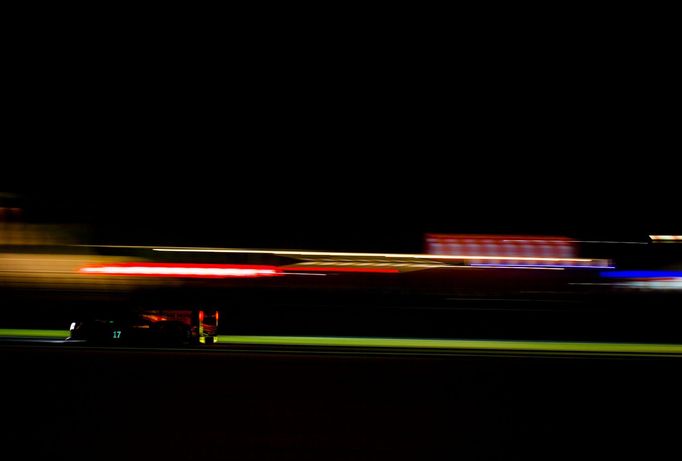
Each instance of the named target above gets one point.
<point>182,270</point>
<point>460,344</point>
<point>644,274</point>
<point>372,255</point>
<point>664,238</point>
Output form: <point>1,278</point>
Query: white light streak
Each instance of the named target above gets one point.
<point>370,255</point>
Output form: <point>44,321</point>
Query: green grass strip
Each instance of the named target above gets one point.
<point>506,345</point>
<point>21,333</point>
<point>410,343</point>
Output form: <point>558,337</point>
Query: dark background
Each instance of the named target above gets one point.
<point>353,139</point>
<point>384,217</point>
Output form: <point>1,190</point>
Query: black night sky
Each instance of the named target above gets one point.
<point>327,216</point>
<point>342,178</point>
<point>340,153</point>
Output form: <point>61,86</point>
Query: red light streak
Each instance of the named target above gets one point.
<point>182,270</point>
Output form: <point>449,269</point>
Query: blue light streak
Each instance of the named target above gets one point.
<point>641,274</point>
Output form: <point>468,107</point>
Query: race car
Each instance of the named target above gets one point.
<point>149,327</point>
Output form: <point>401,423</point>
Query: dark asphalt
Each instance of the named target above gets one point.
<point>95,403</point>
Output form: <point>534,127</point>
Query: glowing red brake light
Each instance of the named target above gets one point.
<point>182,270</point>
